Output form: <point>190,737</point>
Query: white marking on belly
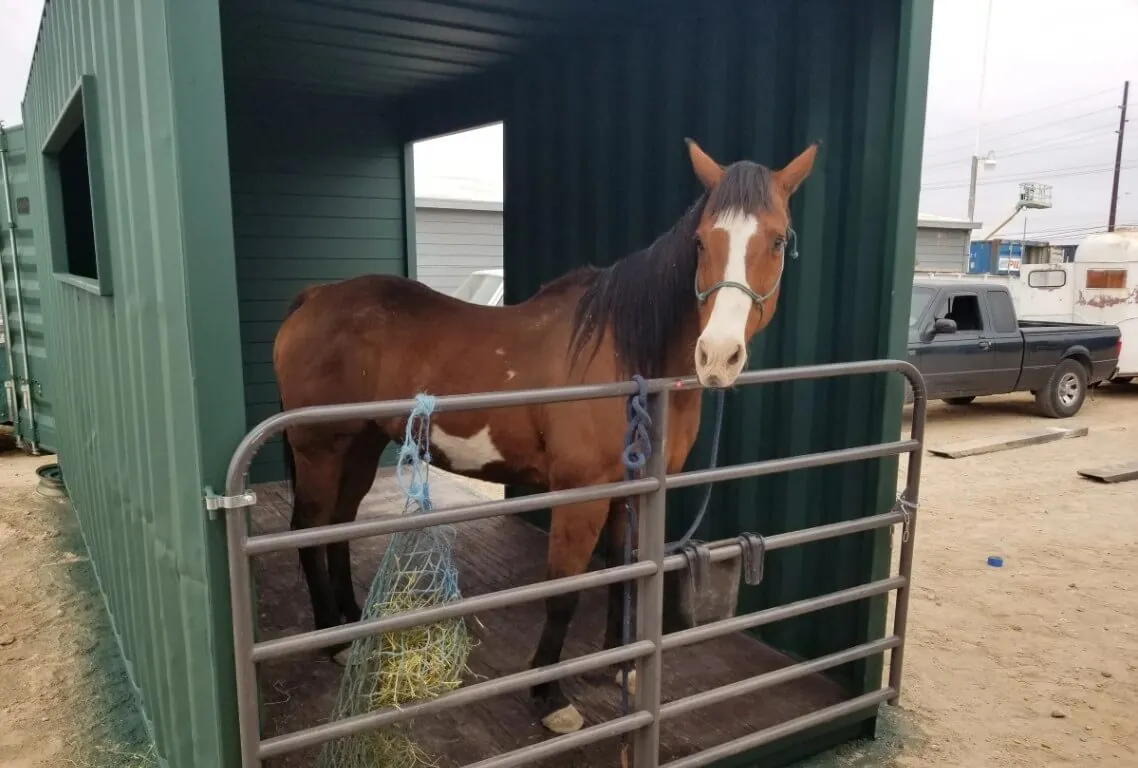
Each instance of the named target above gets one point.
<point>510,375</point>
<point>499,351</point>
<point>466,454</point>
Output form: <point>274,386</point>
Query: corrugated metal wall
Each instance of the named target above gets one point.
<point>942,249</point>
<point>18,250</point>
<point>142,428</point>
<point>755,79</point>
<point>317,197</point>
<point>453,242</point>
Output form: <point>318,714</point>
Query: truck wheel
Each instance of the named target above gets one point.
<point>1065,392</point>
<point>960,400</point>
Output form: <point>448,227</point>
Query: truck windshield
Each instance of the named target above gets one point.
<point>921,299</point>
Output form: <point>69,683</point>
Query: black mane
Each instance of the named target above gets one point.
<point>648,297</point>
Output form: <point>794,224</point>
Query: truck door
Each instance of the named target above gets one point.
<point>1003,334</point>
<point>957,364</point>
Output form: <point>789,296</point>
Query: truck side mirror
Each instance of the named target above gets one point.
<point>943,325</point>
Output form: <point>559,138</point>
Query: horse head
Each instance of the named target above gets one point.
<point>742,242</point>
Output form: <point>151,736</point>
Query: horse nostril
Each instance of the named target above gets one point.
<point>736,355</point>
<point>702,354</point>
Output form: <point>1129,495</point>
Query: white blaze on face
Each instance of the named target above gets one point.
<point>725,332</point>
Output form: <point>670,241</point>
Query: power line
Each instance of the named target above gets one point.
<point>1070,143</point>
<point>1054,173</point>
<point>1001,137</point>
<point>1016,115</point>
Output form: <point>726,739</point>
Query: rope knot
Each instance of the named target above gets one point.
<point>637,436</point>
<point>415,452</point>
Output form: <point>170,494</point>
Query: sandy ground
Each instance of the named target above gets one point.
<point>1031,664</point>
<point>64,696</point>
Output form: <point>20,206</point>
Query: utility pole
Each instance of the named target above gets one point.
<point>1118,158</point>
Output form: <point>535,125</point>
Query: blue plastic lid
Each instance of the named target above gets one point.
<point>995,561</point>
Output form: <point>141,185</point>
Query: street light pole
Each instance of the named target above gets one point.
<point>979,118</point>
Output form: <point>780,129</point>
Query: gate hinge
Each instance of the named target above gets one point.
<point>213,502</point>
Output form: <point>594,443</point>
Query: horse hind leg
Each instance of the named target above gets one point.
<point>317,475</point>
<point>356,479</point>
<point>574,531</point>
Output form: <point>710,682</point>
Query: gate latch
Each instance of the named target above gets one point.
<point>214,502</point>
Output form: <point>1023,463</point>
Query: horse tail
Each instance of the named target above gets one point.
<point>289,459</point>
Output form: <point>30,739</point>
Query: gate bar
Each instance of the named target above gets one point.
<point>499,686</point>
<point>651,537</point>
<point>726,549</point>
<point>782,730</point>
<point>504,598</point>
<point>328,534</point>
<point>766,616</point>
<point>323,414</point>
<point>778,677</point>
<point>358,529</point>
<point>559,744</point>
<point>778,466</point>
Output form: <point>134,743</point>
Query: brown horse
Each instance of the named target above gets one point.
<point>690,301</point>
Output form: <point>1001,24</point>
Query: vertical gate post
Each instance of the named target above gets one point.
<point>236,505</point>
<point>908,501</point>
<point>650,594</point>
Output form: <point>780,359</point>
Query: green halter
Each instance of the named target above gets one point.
<point>791,240</point>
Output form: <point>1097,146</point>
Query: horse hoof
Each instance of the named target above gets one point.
<point>341,657</point>
<point>631,681</point>
<point>565,720</point>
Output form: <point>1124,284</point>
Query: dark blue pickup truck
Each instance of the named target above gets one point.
<point>967,342</point>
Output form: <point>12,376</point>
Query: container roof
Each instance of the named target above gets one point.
<point>932,221</point>
<point>391,48</point>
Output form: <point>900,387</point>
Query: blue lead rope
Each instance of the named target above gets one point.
<point>637,451</point>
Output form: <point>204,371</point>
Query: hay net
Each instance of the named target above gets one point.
<point>393,669</point>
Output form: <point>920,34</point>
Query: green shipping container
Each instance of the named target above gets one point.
<point>23,326</point>
<point>239,150</point>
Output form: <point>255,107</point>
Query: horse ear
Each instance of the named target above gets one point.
<point>795,172</point>
<point>706,170</point>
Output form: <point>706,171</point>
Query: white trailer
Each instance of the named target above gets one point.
<point>1099,286</point>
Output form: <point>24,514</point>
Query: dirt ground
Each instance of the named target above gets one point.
<point>1031,664</point>
<point>65,699</point>
<point>1034,663</point>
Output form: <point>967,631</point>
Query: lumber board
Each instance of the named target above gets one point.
<point>1112,473</point>
<point>993,444</point>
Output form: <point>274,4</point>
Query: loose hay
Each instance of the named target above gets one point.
<point>418,663</point>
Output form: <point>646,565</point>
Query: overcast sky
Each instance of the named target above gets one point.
<point>1050,112</point>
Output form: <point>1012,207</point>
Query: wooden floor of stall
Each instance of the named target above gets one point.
<point>300,691</point>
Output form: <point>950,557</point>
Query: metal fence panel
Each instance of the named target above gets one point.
<point>648,569</point>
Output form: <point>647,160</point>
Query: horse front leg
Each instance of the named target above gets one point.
<point>573,535</point>
<point>617,532</point>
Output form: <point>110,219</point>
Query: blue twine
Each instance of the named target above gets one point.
<point>637,441</point>
<point>416,452</point>
<point>637,450</point>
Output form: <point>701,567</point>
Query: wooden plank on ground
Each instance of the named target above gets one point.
<point>1006,443</point>
<point>1112,473</point>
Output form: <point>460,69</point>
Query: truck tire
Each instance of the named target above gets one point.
<point>960,400</point>
<point>1065,391</point>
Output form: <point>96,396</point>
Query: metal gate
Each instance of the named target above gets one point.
<point>647,713</point>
